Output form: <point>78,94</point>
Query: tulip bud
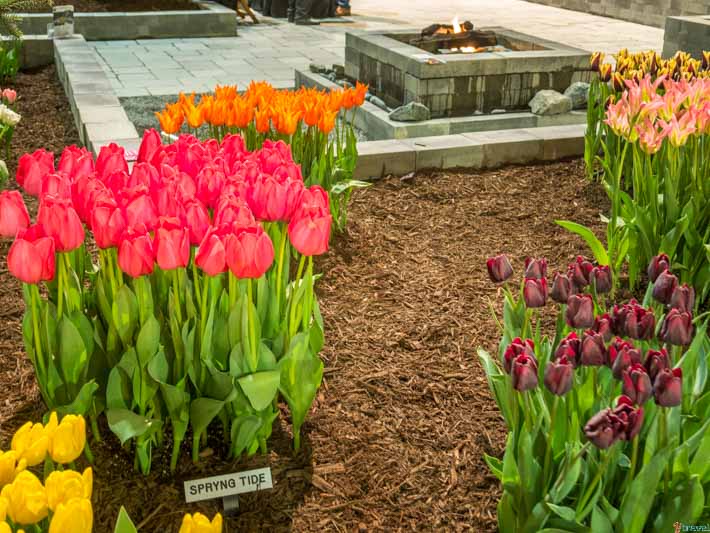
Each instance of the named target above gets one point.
<point>657,265</point>
<point>30,443</point>
<point>636,384</point>
<point>640,323</point>
<point>211,255</point>
<point>10,466</point>
<point>629,419</point>
<point>171,244</point>
<point>249,252</point>
<point>664,286</point>
<point>26,499</point>
<point>559,376</point>
<point>601,278</point>
<point>683,298</point>
<point>593,349</point>
<point>596,60</point>
<point>605,72</point>
<point>9,95</point>
<point>524,373</point>
<point>199,523</point>
<point>622,354</point>
<point>516,348</point>
<point>677,328</point>
<point>570,347</point>
<point>656,361</point>
<point>76,163</point>
<point>580,272</point>
<point>309,231</point>
<point>61,222</point>
<point>31,256</point>
<point>108,224</point>
<point>668,387</point>
<point>617,82</point>
<point>135,255</point>
<point>580,311</point>
<point>603,326</point>
<point>535,292</point>
<point>68,440</point>
<point>535,268</point>
<point>561,288</point>
<point>76,515</point>
<point>600,429</point>
<point>13,214</point>
<point>111,158</point>
<point>63,486</point>
<point>150,146</point>
<point>32,169</point>
<point>499,268</point>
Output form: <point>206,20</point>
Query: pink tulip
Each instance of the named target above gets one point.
<point>135,255</point>
<point>249,252</point>
<point>172,244</point>
<point>32,169</point>
<point>31,256</point>
<point>76,163</point>
<point>197,220</point>
<point>57,185</point>
<point>112,158</point>
<point>108,224</point>
<point>150,146</point>
<point>9,95</point>
<point>309,231</point>
<point>211,256</point>
<point>13,214</point>
<point>61,222</point>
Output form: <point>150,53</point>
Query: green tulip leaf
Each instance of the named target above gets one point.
<point>148,341</point>
<point>700,465</point>
<point>260,388</point>
<point>600,522</point>
<point>220,385</point>
<point>537,518</point>
<point>127,425</point>
<point>72,352</point>
<point>243,433</point>
<point>124,524</point>
<point>83,401</point>
<point>598,249</point>
<point>49,317</point>
<point>234,328</point>
<point>684,504</point>
<point>565,513</point>
<point>124,312</point>
<point>159,368</point>
<point>202,412</point>
<point>568,476</point>
<point>636,503</point>
<point>506,513</point>
<point>511,475</point>
<point>495,464</point>
<point>85,329</point>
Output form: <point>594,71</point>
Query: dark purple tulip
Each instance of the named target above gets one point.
<point>535,292</point>
<point>683,298</point>
<point>559,375</point>
<point>677,328</point>
<point>618,318</point>
<point>561,288</point>
<point>570,347</point>
<point>600,429</point>
<point>499,268</point>
<point>580,311</point>
<point>603,326</point>
<point>601,278</point>
<point>668,387</point>
<point>629,419</point>
<point>656,361</point>
<point>657,265</point>
<point>593,349</point>
<point>636,384</point>
<point>580,272</point>
<point>664,286</point>
<point>622,355</point>
<point>516,348</point>
<point>640,322</point>
<point>535,268</point>
<point>524,373</point>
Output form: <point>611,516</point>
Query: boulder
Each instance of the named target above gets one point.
<point>549,102</point>
<point>411,112</point>
<point>318,69</point>
<point>376,101</point>
<point>578,92</point>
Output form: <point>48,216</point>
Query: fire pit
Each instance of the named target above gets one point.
<point>458,69</point>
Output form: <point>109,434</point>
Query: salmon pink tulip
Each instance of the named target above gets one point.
<point>32,169</point>
<point>135,255</point>
<point>13,213</point>
<point>31,256</point>
<point>249,252</point>
<point>172,244</point>
<point>61,222</point>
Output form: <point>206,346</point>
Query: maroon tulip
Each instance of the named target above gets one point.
<point>309,231</point>
<point>561,288</point>
<point>559,375</point>
<point>13,213</point>
<point>524,373</point>
<point>640,323</point>
<point>629,419</point>
<point>656,361</point>
<point>668,387</point>
<point>570,347</point>
<point>593,349</point>
<point>636,384</point>
<point>580,272</point>
<point>535,292</point>
<point>211,256</point>
<point>580,311</point>
<point>516,348</point>
<point>622,354</point>
<point>664,286</point>
<point>657,265</point>
<point>135,255</point>
<point>603,326</point>
<point>249,252</point>
<point>601,429</point>
<point>499,268</point>
<point>31,256</point>
<point>61,222</point>
<point>601,278</point>
<point>32,169</point>
<point>171,244</point>
<point>108,223</point>
<point>535,268</point>
<point>112,158</point>
<point>683,298</point>
<point>677,328</point>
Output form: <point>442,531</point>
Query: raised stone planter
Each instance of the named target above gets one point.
<point>688,34</point>
<point>209,19</point>
<point>36,50</point>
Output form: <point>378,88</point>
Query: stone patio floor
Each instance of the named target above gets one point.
<point>271,51</point>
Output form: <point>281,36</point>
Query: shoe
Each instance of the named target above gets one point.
<point>307,22</point>
<point>342,11</point>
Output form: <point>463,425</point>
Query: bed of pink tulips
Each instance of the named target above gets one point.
<point>170,296</point>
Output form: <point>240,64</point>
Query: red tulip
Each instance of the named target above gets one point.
<point>657,265</point>
<point>61,222</point>
<point>524,373</point>
<point>535,268</point>
<point>144,174</point>
<point>580,311</point>
<point>171,244</point>
<point>570,347</point>
<point>76,163</point>
<point>561,288</point>
<point>85,191</point>
<point>622,354</point>
<point>600,429</point>
<point>580,271</point>
<point>31,256</point>
<point>603,326</point>
<point>629,419</point>
<point>211,256</point>
<point>535,292</point>
<point>559,376</point>
<point>314,197</point>
<point>636,384</point>
<point>210,181</point>
<point>135,255</point>
<point>309,231</point>
<point>593,349</point>
<point>516,348</point>
<point>197,220</point>
<point>141,213</point>
<point>272,200</point>
<point>249,252</point>
<point>683,298</point>
<point>150,146</point>
<point>677,328</point>
<point>601,278</point>
<point>13,213</point>
<point>108,224</point>
<point>656,361</point>
<point>634,321</point>
<point>112,158</point>
<point>232,210</point>
<point>664,286</point>
<point>32,169</point>
<point>499,268</point>
<point>668,387</point>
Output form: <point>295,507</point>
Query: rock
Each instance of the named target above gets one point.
<point>331,76</point>
<point>411,112</point>
<point>378,102</point>
<point>497,111</point>
<point>317,68</point>
<point>339,70</point>
<point>548,102</point>
<point>478,112</point>
<point>578,92</point>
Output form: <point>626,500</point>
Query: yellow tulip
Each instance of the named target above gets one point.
<point>74,516</point>
<point>3,509</point>
<point>10,467</point>
<point>68,439</point>
<point>5,527</point>
<point>27,499</point>
<point>64,486</point>
<point>199,523</point>
<point>30,443</point>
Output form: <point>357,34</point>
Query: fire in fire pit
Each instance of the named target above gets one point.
<point>457,38</point>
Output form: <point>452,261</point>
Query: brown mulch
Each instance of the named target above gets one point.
<point>91,6</point>
<point>399,428</point>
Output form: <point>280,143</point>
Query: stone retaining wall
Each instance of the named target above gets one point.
<point>689,34</point>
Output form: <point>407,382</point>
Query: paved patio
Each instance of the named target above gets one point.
<point>273,50</point>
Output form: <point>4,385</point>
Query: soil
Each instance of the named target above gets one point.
<point>92,6</point>
<point>396,438</point>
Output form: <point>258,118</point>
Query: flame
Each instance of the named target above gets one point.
<point>468,49</point>
<point>456,25</point>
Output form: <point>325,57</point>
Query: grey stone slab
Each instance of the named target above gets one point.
<point>103,131</point>
<point>446,151</point>
<point>508,146</point>
<point>561,141</point>
<point>380,158</point>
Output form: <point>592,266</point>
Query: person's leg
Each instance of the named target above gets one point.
<point>303,13</point>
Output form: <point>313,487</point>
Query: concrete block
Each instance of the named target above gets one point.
<point>102,131</point>
<point>561,141</point>
<point>504,147</point>
<point>380,158</point>
<point>446,151</point>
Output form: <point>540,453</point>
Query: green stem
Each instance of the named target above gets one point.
<point>279,269</point>
<point>39,356</point>
<point>308,295</point>
<point>548,452</point>
<point>663,442</point>
<point>176,291</point>
<point>254,360</point>
<point>60,288</point>
<point>597,478</point>
<point>293,325</point>
<point>195,447</point>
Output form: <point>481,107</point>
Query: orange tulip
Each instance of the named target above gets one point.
<point>225,92</point>
<point>326,123</point>
<point>194,116</point>
<point>262,120</point>
<point>241,113</point>
<point>287,122</point>
<point>359,93</point>
<point>170,122</point>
